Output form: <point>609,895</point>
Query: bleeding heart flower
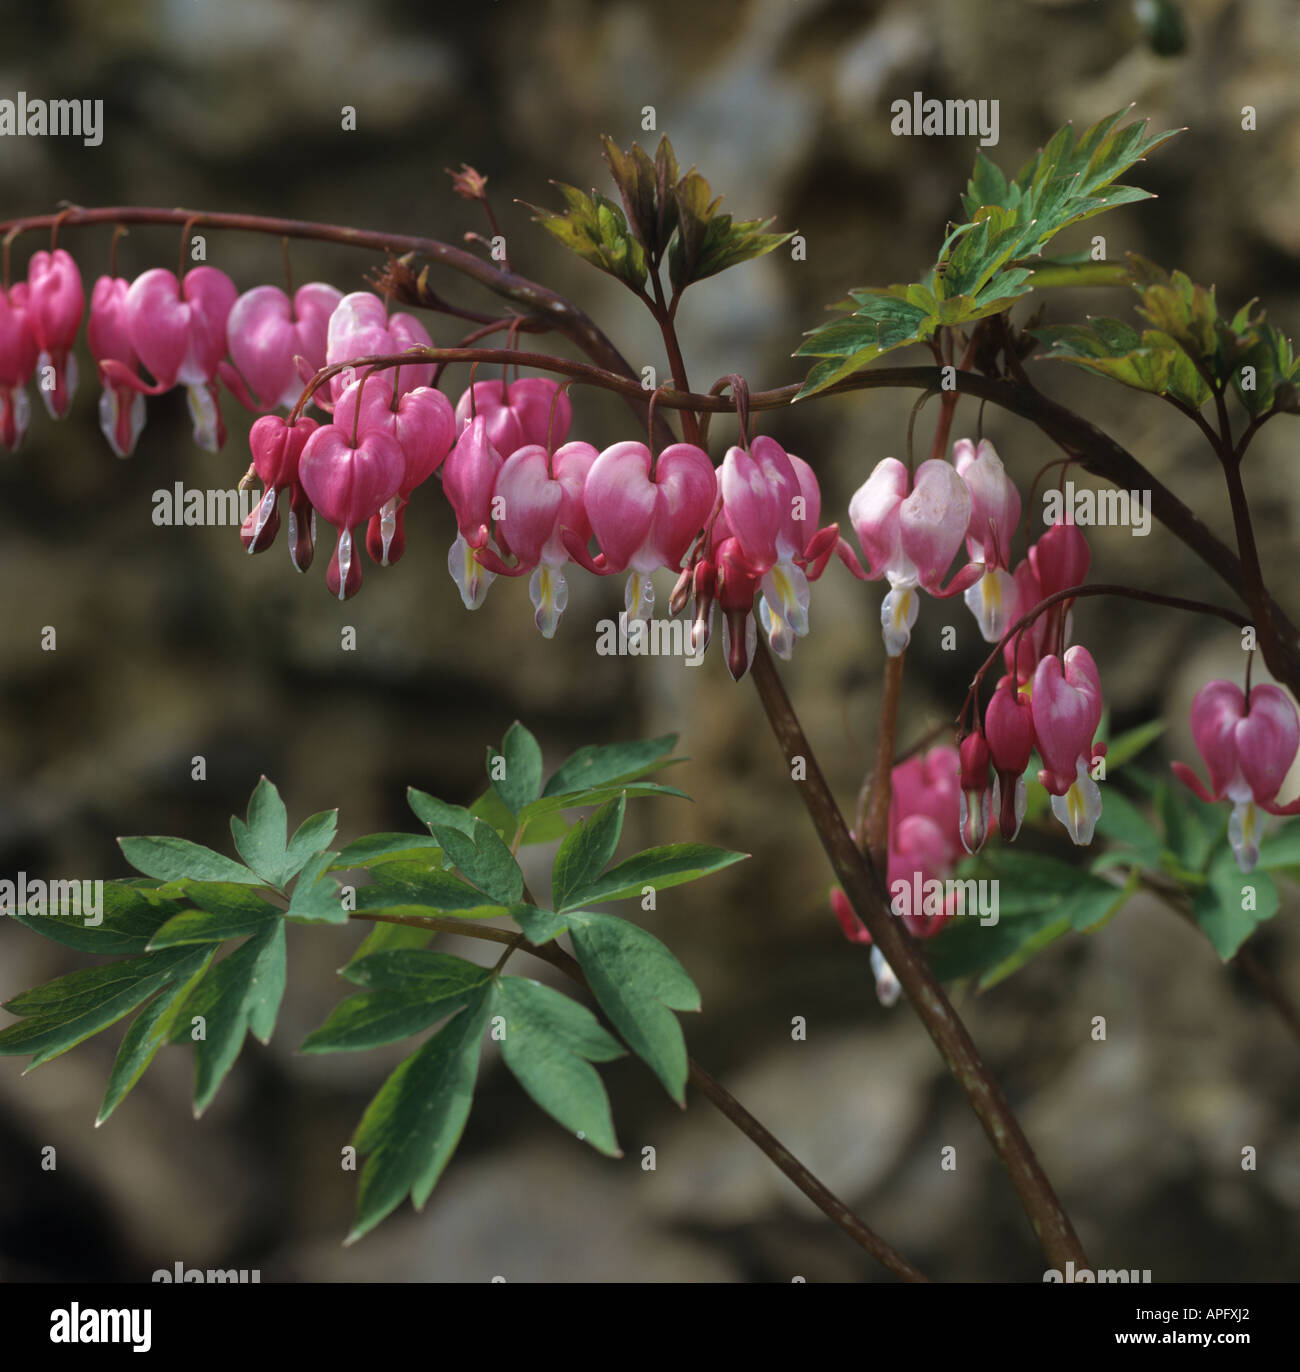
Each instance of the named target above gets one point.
<point>531,410</point>
<point>771,503</point>
<point>178,330</point>
<point>995,511</point>
<point>121,406</point>
<point>56,304</point>
<point>267,332</point>
<point>361,327</point>
<point>975,802</point>
<point>423,425</point>
<point>348,484</point>
<point>911,539</point>
<point>468,478</point>
<point>644,513</point>
<point>277,451</point>
<point>1066,707</point>
<point>1249,746</point>
<point>1009,730</point>
<point>17,362</point>
<point>537,498</point>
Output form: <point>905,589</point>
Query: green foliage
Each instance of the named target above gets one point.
<point>1190,352</point>
<point>197,948</point>
<point>594,228</point>
<point>988,263</point>
<point>664,214</point>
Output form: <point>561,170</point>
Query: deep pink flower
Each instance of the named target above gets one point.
<point>1249,746</point>
<point>17,362</point>
<point>361,327</point>
<point>975,802</point>
<point>1009,730</point>
<point>771,503</point>
<point>468,478</point>
<point>267,333</point>
<point>178,330</point>
<point>348,484</point>
<point>422,424</point>
<point>531,410</point>
<point>538,497</point>
<point>56,304</point>
<point>277,451</point>
<point>121,406</point>
<point>644,512</point>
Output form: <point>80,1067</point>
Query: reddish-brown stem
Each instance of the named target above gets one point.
<point>875,839</point>
<point>866,896</point>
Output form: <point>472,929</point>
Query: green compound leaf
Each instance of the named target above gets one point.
<point>549,1044</point>
<point>241,993</point>
<point>262,841</point>
<point>62,1013</point>
<point>148,1032</point>
<point>434,974</point>
<point>638,984</point>
<point>412,1126</point>
<point>313,835</point>
<point>410,888</point>
<point>610,764</point>
<point>224,911</point>
<point>385,936</point>
<point>1150,362</point>
<point>484,859</point>
<point>410,991</point>
<point>670,865</point>
<point>129,918</point>
<point>438,812</point>
<point>376,848</point>
<point>595,229</point>
<point>174,859</point>
<point>520,767</point>
<point>987,264</point>
<point>1232,904</point>
<point>586,849</point>
<point>315,898</point>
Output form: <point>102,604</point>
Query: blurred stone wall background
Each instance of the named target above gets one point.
<point>172,643</point>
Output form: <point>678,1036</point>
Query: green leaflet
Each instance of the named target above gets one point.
<point>670,865</point>
<point>61,1013</point>
<point>148,1032</point>
<point>517,777</point>
<point>241,993</point>
<point>412,1126</point>
<point>638,983</point>
<point>549,1044</point>
<point>586,849</point>
<point>410,990</point>
<point>1232,903</point>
